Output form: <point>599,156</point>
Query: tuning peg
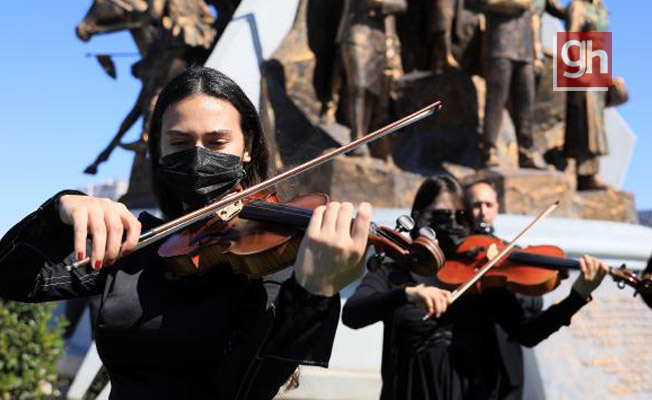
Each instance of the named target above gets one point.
<point>428,232</point>
<point>404,223</point>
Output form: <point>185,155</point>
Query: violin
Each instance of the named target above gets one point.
<point>264,236</point>
<point>533,270</point>
<point>257,235</point>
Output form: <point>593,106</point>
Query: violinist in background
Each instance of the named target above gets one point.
<point>518,365</point>
<point>216,335</point>
<point>453,354</point>
<point>481,203</point>
<point>647,274</point>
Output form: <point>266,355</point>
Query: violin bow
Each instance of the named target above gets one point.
<point>460,291</point>
<point>210,210</point>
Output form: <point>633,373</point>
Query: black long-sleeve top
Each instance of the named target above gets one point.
<point>647,297</point>
<point>216,336</point>
<point>454,356</point>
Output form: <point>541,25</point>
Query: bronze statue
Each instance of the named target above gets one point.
<point>369,52</point>
<point>586,138</point>
<point>510,78</point>
<point>169,34</point>
<point>553,8</point>
<point>440,27</point>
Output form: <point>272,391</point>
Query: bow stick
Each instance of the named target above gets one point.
<point>460,291</point>
<point>210,210</point>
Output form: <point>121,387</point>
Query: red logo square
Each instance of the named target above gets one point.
<point>582,61</point>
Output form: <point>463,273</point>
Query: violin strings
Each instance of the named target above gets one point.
<point>302,213</point>
<point>280,208</point>
<point>280,211</point>
<point>287,210</point>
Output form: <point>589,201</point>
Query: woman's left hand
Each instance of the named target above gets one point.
<point>593,271</point>
<point>331,253</point>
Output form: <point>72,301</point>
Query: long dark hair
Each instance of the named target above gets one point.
<point>198,80</point>
<point>430,189</point>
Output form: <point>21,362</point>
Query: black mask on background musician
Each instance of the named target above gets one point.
<point>451,227</point>
<point>198,176</point>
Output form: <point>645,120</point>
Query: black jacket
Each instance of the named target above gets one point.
<point>218,336</point>
<point>647,297</point>
<point>452,357</point>
<point>511,352</point>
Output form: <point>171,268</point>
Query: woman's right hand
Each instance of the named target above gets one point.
<point>106,221</point>
<point>434,300</point>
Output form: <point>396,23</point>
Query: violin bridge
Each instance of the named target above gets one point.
<point>230,211</point>
<point>492,251</point>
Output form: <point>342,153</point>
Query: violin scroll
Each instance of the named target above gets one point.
<point>421,255</point>
<point>625,277</point>
<point>425,253</point>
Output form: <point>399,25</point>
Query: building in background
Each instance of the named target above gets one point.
<point>645,217</point>
<point>113,189</point>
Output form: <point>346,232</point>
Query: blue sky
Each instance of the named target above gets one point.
<point>58,109</point>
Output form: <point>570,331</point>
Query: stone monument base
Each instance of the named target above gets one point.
<point>520,191</point>
<point>527,191</point>
<point>358,179</point>
<point>610,205</point>
<point>140,195</point>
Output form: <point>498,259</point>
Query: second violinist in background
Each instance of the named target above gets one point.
<point>647,274</point>
<point>453,354</point>
<point>518,365</point>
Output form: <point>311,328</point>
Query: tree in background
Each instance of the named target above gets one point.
<point>30,344</point>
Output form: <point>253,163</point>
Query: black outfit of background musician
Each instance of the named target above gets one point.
<point>517,363</point>
<point>213,336</point>
<point>453,356</point>
<point>647,274</point>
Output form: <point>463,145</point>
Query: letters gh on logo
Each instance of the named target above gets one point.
<point>586,53</point>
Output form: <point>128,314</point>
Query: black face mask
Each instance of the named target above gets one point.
<point>450,235</point>
<point>199,176</point>
<point>451,227</point>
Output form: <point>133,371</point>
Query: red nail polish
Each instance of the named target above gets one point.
<point>110,262</point>
<point>98,264</point>
<point>80,256</point>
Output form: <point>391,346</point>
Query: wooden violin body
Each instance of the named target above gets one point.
<point>264,237</point>
<point>533,270</point>
<point>248,246</point>
<point>517,276</point>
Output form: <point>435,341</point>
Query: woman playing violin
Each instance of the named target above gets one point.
<point>453,354</point>
<point>216,335</point>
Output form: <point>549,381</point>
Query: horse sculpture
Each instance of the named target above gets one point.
<point>169,34</point>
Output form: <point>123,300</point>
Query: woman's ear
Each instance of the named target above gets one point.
<point>246,157</point>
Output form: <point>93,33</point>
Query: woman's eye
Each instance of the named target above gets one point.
<point>217,144</point>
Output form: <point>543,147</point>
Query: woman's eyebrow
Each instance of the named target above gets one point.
<point>220,132</point>
<point>174,132</point>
